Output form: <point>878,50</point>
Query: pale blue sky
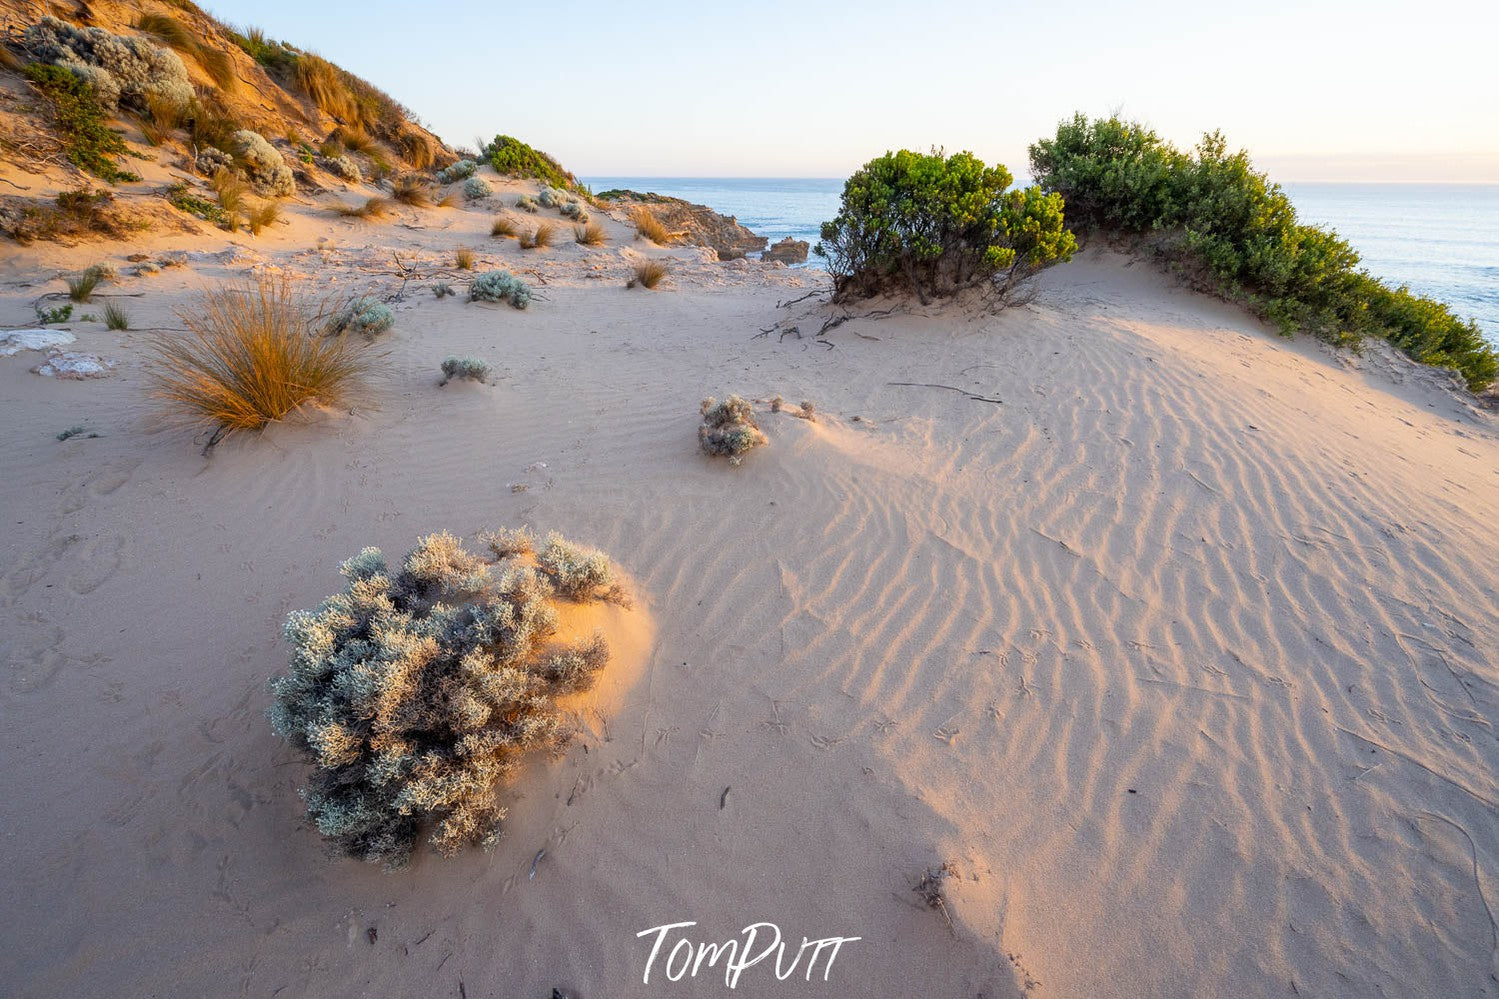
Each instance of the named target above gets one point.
<point>1345,90</point>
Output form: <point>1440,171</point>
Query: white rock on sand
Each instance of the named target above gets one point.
<point>12,342</point>
<point>1182,653</point>
<point>74,366</point>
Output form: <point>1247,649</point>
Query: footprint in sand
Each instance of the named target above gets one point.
<point>33,660</point>
<point>99,559</point>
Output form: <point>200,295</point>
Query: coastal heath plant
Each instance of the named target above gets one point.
<point>476,188</point>
<point>415,690</point>
<point>500,286</point>
<point>472,369</point>
<point>368,317</point>
<point>729,428</point>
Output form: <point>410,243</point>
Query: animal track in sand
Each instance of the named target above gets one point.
<point>34,660</point>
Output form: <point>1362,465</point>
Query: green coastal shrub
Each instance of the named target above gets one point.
<point>1214,218</point>
<point>415,691</point>
<point>500,286</point>
<point>729,428</point>
<point>513,158</point>
<point>936,225</point>
<point>368,317</point>
<point>87,140</point>
<point>526,203</point>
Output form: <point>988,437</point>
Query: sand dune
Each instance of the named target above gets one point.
<point>1181,653</point>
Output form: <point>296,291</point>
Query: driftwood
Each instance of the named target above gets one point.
<point>950,388</point>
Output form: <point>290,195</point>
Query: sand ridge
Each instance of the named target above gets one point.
<point>1182,654</point>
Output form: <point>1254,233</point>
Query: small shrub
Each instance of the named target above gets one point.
<point>115,317</point>
<point>415,690</point>
<point>526,203</point>
<point>476,187</point>
<point>368,317</point>
<point>122,70</point>
<point>464,259</point>
<point>462,170</point>
<point>263,217</point>
<point>806,411</point>
<point>577,573</point>
<point>374,208</point>
<point>263,164</point>
<point>251,354</point>
<point>591,234</point>
<point>507,542</point>
<point>81,286</point>
<point>411,189</point>
<point>442,289</point>
<point>343,167</point>
<point>500,286</point>
<point>511,157</point>
<point>729,428</point>
<point>648,273</point>
<point>649,227</point>
<point>502,227</point>
<point>87,140</point>
<point>470,368</point>
<point>47,317</point>
<point>182,198</point>
<point>936,225</point>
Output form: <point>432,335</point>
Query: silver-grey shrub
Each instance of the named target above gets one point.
<point>415,690</point>
<point>729,428</point>
<point>461,170</point>
<point>476,187</point>
<point>123,69</point>
<point>500,286</point>
<point>366,316</point>
<point>473,369</point>
<point>263,164</point>
<point>344,167</point>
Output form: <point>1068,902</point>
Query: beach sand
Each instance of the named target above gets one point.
<point>1178,644</point>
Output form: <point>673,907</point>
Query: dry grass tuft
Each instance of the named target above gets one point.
<point>591,234</point>
<point>449,200</point>
<point>230,191</point>
<point>263,217</point>
<point>162,118</point>
<point>115,318</point>
<point>502,227</point>
<point>464,259</point>
<point>215,61</point>
<point>648,273</point>
<point>412,189</point>
<point>252,354</point>
<point>544,236</point>
<point>354,138</point>
<point>321,81</point>
<point>416,149</point>
<point>374,208</point>
<point>649,227</point>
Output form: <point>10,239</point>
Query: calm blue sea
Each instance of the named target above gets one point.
<point>1441,239</point>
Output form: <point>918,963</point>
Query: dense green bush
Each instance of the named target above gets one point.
<point>500,286</point>
<point>416,689</point>
<point>513,158</point>
<point>937,225</point>
<point>88,142</point>
<point>1228,228</point>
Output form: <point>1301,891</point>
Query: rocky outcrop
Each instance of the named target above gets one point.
<point>698,225</point>
<point>787,251</point>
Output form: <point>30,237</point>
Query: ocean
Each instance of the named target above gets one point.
<point>1441,239</point>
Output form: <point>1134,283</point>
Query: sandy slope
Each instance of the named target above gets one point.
<point>1182,654</point>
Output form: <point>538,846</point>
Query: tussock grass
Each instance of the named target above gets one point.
<point>162,118</point>
<point>449,200</point>
<point>251,355</point>
<point>502,227</point>
<point>374,208</point>
<point>321,81</point>
<point>215,61</point>
<point>591,234</point>
<point>230,191</point>
<point>263,217</point>
<point>649,227</point>
<point>648,273</point>
<point>209,122</point>
<point>355,138</point>
<point>543,236</point>
<point>81,286</point>
<point>411,189</point>
<point>115,318</point>
<point>416,149</point>
<point>464,259</point>
<point>9,60</point>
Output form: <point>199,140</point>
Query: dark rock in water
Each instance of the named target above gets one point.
<point>787,251</point>
<point>698,225</point>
